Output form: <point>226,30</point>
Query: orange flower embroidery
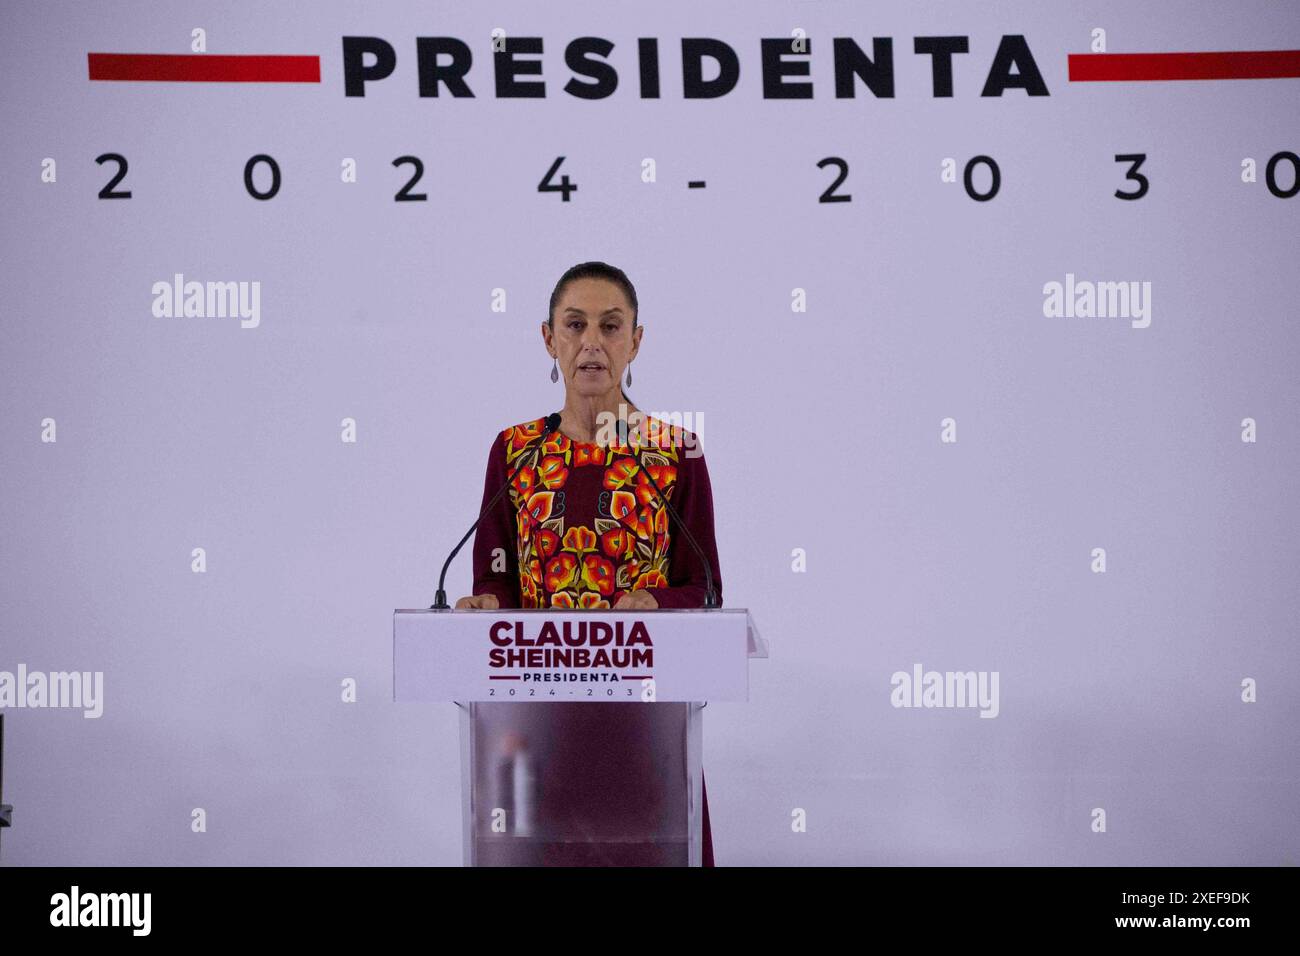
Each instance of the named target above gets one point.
<point>579,539</point>
<point>643,526</point>
<point>615,543</point>
<point>661,544</point>
<point>598,574</point>
<point>644,492</point>
<point>620,473</point>
<point>561,571</point>
<point>622,505</point>
<point>517,436</point>
<point>551,472</point>
<point>525,481</point>
<point>670,437</point>
<point>547,542</point>
<point>588,455</point>
<point>571,565</point>
<point>539,506</point>
<point>528,590</point>
<point>651,579</point>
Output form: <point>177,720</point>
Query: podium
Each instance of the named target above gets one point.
<point>581,731</point>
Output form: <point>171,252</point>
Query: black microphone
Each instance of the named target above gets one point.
<point>440,601</point>
<point>710,597</point>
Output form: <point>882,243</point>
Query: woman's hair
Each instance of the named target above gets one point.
<point>595,270</point>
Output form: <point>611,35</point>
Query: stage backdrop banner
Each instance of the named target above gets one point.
<point>984,314</point>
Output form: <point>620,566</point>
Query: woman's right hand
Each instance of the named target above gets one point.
<point>485,602</point>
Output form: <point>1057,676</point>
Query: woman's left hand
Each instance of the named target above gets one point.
<point>636,601</point>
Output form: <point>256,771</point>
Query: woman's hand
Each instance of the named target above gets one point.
<point>485,602</point>
<point>636,601</point>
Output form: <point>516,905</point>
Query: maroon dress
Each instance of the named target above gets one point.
<point>579,526</point>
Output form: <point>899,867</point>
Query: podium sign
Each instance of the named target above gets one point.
<point>575,656</point>
<point>556,768</point>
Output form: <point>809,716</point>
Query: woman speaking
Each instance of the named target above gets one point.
<point>583,525</point>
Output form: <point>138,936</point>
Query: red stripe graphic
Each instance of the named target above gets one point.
<point>204,68</point>
<point>1229,65</point>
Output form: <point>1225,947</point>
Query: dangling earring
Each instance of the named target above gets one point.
<point>555,371</point>
<point>629,373</point>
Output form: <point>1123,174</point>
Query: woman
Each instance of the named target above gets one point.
<point>582,526</point>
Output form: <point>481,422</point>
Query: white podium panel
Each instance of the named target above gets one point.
<point>553,773</point>
<point>549,655</point>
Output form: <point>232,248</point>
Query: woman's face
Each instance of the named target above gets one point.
<point>593,340</point>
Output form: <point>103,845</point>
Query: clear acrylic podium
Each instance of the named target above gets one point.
<point>581,731</point>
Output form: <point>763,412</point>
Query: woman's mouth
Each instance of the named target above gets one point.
<point>591,368</point>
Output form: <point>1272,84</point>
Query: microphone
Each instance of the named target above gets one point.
<point>710,596</point>
<point>440,601</point>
